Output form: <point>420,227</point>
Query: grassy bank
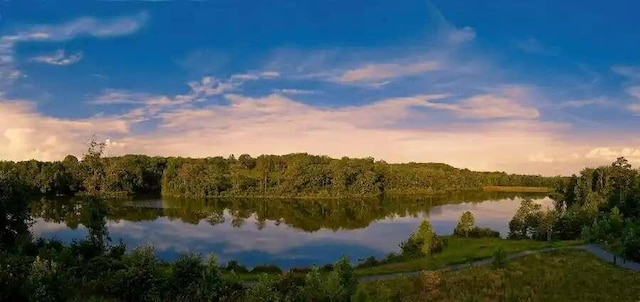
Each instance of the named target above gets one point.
<point>516,189</point>
<point>462,250</point>
<point>566,275</point>
<point>459,250</point>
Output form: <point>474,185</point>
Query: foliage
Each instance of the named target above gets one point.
<point>14,218</point>
<point>422,242</point>
<point>499,259</point>
<point>602,205</point>
<point>466,223</point>
<point>266,269</point>
<point>291,175</point>
<point>478,232</point>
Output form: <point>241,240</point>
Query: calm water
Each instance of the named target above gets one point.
<point>287,233</point>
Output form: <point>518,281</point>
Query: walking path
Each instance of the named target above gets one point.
<point>591,248</point>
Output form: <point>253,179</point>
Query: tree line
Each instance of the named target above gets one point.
<point>292,175</point>
<point>600,205</point>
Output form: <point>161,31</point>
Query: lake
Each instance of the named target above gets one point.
<point>284,232</point>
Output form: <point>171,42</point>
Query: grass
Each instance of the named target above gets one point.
<point>516,189</point>
<point>563,275</point>
<point>459,250</point>
<point>462,250</point>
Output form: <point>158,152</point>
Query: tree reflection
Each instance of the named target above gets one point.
<point>304,214</point>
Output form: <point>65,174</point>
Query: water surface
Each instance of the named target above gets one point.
<point>286,233</point>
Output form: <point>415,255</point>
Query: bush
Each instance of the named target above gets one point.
<point>423,242</point>
<point>499,258</point>
<point>186,274</point>
<point>478,232</point>
<point>369,262</point>
<point>326,268</point>
<point>140,280</point>
<point>269,269</point>
<point>234,266</point>
<point>300,270</point>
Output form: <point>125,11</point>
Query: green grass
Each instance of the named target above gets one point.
<point>462,250</point>
<point>564,275</point>
<point>517,189</point>
<point>459,250</point>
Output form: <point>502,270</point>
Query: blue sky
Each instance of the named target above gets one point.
<point>522,86</point>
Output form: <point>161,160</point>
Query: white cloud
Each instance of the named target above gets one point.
<point>390,129</point>
<point>634,108</point>
<point>295,91</point>
<point>252,76</point>
<point>115,96</point>
<point>58,58</point>
<point>86,26</point>
<point>376,72</point>
<point>610,154</point>
<point>26,134</point>
<point>460,35</point>
<point>632,72</point>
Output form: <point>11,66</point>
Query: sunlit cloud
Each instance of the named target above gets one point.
<point>27,134</point>
<point>506,105</point>
<point>376,72</point>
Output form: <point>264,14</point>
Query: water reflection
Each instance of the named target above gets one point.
<point>282,232</point>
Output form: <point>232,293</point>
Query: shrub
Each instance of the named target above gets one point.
<point>368,262</point>
<point>423,242</point>
<point>326,268</point>
<point>300,270</point>
<point>499,258</point>
<point>140,280</point>
<point>266,269</point>
<point>186,275</point>
<point>235,266</point>
<point>478,232</point>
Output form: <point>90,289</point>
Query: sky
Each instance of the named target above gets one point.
<point>536,87</point>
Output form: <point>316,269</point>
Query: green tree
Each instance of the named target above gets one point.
<point>465,225</point>
<point>14,211</point>
<point>93,167</point>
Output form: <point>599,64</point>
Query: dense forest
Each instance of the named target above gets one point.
<point>292,175</point>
